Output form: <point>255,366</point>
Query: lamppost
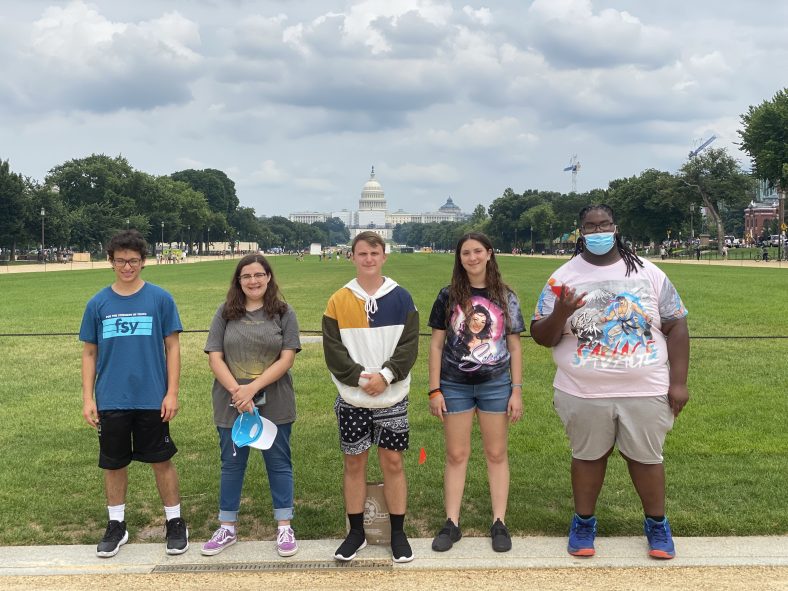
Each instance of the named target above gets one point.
<point>692,222</point>
<point>162,239</point>
<point>127,223</point>
<point>188,237</point>
<point>550,250</point>
<point>43,254</point>
<point>208,244</point>
<point>532,238</point>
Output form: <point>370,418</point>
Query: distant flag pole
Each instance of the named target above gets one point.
<point>422,456</point>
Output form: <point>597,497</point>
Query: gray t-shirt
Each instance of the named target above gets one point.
<point>250,345</point>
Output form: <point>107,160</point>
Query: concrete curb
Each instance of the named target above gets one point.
<point>468,553</point>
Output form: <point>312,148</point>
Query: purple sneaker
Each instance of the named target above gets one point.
<point>221,539</point>
<point>286,543</point>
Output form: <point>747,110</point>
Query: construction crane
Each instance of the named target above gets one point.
<point>574,166</point>
<point>697,150</point>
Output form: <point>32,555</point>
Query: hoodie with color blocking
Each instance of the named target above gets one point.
<point>363,332</point>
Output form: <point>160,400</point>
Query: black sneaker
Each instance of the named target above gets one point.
<point>446,537</point>
<point>400,547</point>
<point>501,540</point>
<point>177,536</point>
<point>354,542</point>
<point>114,537</point>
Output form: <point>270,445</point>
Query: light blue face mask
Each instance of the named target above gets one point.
<point>600,243</point>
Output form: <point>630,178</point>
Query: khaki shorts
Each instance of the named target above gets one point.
<point>637,425</point>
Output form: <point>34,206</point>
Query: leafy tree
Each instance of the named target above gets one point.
<point>217,187</point>
<point>539,218</point>
<point>648,205</point>
<point>56,219</point>
<point>765,138</point>
<point>334,230</point>
<point>15,208</point>
<point>717,180</point>
<point>95,179</point>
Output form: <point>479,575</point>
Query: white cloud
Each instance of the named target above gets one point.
<point>482,15</point>
<point>432,174</point>
<point>483,133</point>
<point>269,174</point>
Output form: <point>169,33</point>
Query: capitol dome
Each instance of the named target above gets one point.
<point>372,196</point>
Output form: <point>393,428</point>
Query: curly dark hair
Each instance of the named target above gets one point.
<point>631,260</point>
<point>460,288</point>
<point>127,240</point>
<point>235,304</point>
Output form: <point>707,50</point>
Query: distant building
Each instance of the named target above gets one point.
<point>308,217</point>
<point>762,210</point>
<point>372,213</point>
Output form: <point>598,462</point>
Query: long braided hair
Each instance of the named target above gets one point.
<point>631,260</point>
<point>460,288</point>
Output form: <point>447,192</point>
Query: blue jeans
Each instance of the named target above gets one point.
<point>278,465</point>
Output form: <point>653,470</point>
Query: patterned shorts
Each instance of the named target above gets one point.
<point>359,427</point>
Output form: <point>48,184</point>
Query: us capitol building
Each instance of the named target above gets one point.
<point>373,214</point>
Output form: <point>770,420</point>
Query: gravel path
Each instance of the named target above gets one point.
<point>585,579</point>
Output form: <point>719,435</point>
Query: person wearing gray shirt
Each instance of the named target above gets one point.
<point>251,347</point>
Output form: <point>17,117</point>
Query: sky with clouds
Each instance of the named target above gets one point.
<point>296,100</point>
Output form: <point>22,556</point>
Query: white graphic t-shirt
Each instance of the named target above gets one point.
<point>613,345</point>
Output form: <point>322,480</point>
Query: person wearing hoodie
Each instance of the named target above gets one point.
<point>370,343</point>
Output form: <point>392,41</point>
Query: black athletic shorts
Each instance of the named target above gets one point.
<point>126,435</point>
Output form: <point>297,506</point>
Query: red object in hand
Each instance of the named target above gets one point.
<point>422,456</point>
<point>555,287</point>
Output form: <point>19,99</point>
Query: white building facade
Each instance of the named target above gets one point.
<point>372,213</point>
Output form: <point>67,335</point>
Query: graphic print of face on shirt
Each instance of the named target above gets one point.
<point>479,335</point>
<point>612,324</point>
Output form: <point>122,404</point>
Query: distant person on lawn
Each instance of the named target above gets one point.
<point>251,346</point>
<point>619,336</point>
<point>131,360</point>
<point>370,342</point>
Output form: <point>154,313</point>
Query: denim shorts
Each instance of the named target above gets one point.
<point>491,396</point>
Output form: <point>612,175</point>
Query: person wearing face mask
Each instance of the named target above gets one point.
<point>619,335</point>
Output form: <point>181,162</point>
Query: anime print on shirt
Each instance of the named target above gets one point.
<point>613,345</point>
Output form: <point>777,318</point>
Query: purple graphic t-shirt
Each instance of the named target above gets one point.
<point>475,350</point>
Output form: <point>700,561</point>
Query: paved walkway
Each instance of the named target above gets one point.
<point>50,267</point>
<point>469,553</point>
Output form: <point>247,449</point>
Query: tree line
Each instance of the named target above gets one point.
<point>83,202</point>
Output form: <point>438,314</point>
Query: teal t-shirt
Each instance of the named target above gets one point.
<point>131,368</point>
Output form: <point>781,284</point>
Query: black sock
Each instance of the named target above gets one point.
<point>657,518</point>
<point>356,521</point>
<point>586,517</point>
<point>397,522</point>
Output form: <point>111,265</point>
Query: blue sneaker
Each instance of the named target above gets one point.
<point>660,539</point>
<point>581,536</point>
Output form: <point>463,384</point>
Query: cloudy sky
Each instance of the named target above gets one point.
<point>296,100</point>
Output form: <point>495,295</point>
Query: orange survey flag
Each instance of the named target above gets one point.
<point>422,456</point>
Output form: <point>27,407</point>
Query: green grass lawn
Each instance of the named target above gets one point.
<point>727,458</point>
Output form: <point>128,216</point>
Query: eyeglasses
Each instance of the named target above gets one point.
<point>256,277</point>
<point>120,263</point>
<point>590,228</point>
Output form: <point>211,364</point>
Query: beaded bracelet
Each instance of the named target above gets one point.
<point>434,392</point>
<point>517,385</point>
